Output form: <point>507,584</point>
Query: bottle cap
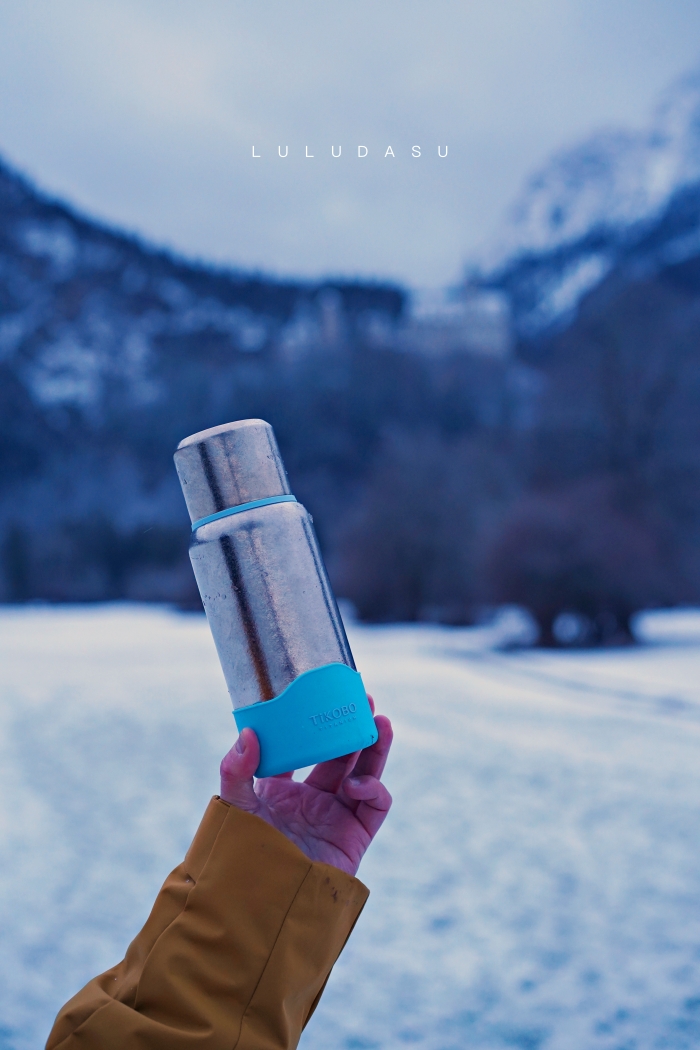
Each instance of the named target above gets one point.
<point>228,465</point>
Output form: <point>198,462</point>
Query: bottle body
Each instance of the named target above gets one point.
<point>270,607</point>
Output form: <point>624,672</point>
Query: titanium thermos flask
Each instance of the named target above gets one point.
<point>280,639</point>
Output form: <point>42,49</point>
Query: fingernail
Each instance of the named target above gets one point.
<point>240,745</point>
<point>355,781</point>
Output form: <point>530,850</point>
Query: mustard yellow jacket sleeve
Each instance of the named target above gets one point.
<point>234,955</point>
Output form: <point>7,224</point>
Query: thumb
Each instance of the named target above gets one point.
<point>237,769</point>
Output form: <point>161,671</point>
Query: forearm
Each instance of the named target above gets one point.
<point>235,953</point>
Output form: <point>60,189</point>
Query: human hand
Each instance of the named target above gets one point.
<point>333,815</point>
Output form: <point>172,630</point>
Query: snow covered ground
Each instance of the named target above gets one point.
<point>536,886</point>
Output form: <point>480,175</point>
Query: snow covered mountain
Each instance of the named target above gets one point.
<point>599,204</point>
<point>84,308</point>
<point>110,351</point>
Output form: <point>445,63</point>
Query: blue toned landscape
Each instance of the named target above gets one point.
<point>494,423</point>
<point>536,886</point>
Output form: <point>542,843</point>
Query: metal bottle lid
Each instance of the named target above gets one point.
<point>228,465</point>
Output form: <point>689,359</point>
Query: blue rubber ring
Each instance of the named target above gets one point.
<point>241,507</point>
<point>323,714</point>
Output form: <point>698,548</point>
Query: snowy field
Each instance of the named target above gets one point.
<point>537,884</point>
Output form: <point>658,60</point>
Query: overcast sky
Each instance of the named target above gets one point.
<point>145,112</point>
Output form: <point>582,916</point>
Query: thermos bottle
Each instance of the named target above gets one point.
<point>280,639</point>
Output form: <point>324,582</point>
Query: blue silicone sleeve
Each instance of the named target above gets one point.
<point>322,714</point>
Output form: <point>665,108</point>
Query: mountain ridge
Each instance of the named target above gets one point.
<point>445,473</point>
